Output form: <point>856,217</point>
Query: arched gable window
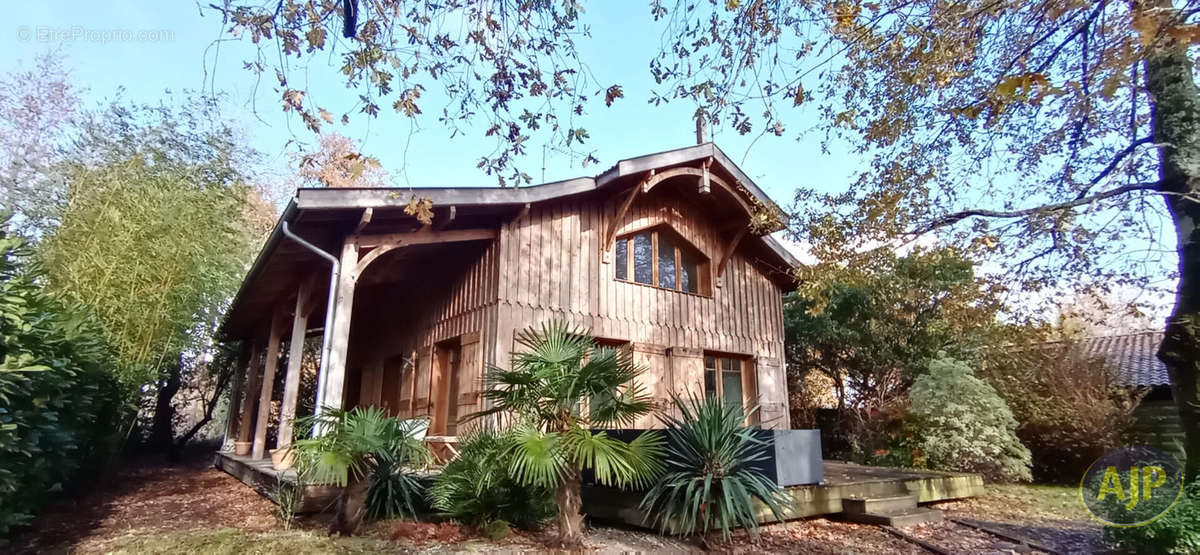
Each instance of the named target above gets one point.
<point>659,257</point>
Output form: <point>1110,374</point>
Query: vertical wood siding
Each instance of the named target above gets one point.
<point>552,269</point>
<point>547,264</point>
<point>404,334</point>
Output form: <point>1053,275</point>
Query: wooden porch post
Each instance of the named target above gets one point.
<point>252,383</point>
<point>268,385</point>
<point>235,390</point>
<point>335,377</point>
<point>291,385</point>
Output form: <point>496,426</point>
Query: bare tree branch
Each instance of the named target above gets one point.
<point>955,217</point>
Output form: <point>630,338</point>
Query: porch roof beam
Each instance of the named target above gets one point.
<point>383,243</point>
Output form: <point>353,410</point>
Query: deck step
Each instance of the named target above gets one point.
<point>898,519</point>
<point>879,505</point>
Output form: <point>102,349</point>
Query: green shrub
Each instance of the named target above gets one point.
<point>497,530</point>
<point>287,497</point>
<point>477,489</point>
<point>965,425</point>
<point>370,455</point>
<point>60,408</point>
<point>1178,531</point>
<point>710,483</point>
<point>396,490</point>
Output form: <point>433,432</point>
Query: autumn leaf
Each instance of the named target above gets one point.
<point>1146,27</point>
<point>1187,34</point>
<point>325,115</point>
<point>799,98</point>
<point>293,100</point>
<point>1111,85</point>
<point>420,208</point>
<point>845,14</point>
<point>316,38</point>
<point>614,92</point>
<point>407,103</point>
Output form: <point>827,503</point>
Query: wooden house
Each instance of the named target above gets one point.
<point>665,254</point>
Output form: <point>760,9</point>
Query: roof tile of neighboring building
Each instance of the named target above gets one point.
<point>1131,355</point>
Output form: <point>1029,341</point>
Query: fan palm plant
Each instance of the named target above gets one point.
<point>561,389</point>
<point>710,482</point>
<point>476,488</point>
<point>356,449</point>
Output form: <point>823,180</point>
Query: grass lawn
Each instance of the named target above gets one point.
<point>1019,502</point>
<point>234,541</point>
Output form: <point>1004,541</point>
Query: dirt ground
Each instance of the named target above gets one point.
<point>148,507</point>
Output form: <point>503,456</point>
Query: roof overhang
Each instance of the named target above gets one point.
<point>339,210</point>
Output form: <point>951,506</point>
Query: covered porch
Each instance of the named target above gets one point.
<point>359,281</point>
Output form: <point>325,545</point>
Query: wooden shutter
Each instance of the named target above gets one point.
<point>421,391</point>
<point>750,390</point>
<point>408,372</point>
<point>470,376</point>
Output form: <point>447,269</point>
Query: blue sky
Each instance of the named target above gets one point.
<point>104,44</point>
<point>180,49</point>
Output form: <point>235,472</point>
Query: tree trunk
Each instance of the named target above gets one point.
<point>162,433</point>
<point>1175,109</point>
<point>570,502</point>
<point>352,507</point>
<point>210,406</point>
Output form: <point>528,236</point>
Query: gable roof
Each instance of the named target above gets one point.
<point>382,197</point>
<point>314,210</point>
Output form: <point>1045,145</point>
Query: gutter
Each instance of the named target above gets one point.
<point>335,274</point>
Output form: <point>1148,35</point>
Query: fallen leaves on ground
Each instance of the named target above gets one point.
<point>150,507</point>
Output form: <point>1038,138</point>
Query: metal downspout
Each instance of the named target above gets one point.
<point>335,275</point>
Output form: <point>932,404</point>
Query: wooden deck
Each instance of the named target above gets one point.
<point>260,475</point>
<point>842,481</point>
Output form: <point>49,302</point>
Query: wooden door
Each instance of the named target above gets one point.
<point>392,369</point>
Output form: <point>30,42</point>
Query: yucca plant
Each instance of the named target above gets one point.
<point>395,489</point>
<point>710,483</point>
<point>356,449</point>
<point>476,488</point>
<point>560,387</point>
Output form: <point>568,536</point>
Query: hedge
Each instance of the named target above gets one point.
<point>60,408</point>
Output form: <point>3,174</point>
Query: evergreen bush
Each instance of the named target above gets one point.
<point>964,425</point>
<point>1177,531</point>
<point>60,407</point>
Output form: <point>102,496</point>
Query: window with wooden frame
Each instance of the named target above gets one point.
<point>731,379</point>
<point>660,258</point>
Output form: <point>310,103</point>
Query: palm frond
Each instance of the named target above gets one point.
<point>476,488</point>
<point>537,457</point>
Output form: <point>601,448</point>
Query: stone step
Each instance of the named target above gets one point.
<point>900,519</point>
<point>879,505</point>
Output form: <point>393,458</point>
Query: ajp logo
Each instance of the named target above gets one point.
<point>1131,486</point>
